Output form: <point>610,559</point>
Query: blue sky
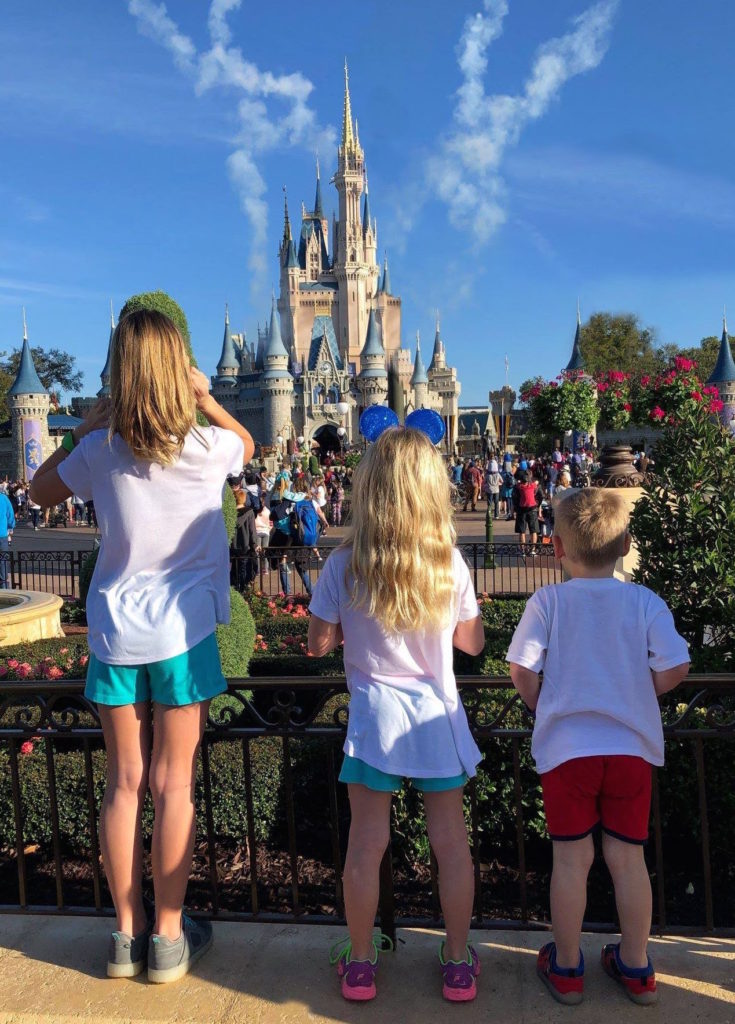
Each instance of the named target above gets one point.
<point>517,159</point>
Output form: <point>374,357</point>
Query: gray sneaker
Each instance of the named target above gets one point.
<point>169,961</point>
<point>127,955</point>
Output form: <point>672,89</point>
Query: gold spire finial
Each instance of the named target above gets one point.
<point>25,329</point>
<point>348,136</point>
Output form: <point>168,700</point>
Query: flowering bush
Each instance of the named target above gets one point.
<point>663,400</point>
<point>566,403</point>
<point>614,399</point>
<point>65,665</point>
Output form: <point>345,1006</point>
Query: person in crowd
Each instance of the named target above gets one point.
<point>77,509</point>
<point>244,542</point>
<point>457,470</point>
<point>7,525</point>
<point>336,497</point>
<point>472,479</point>
<point>565,482</point>
<point>283,537</point>
<point>157,593</point>
<point>493,483</point>
<point>34,510</point>
<point>303,491</point>
<point>506,490</point>
<point>597,732</point>
<point>400,595</point>
<point>527,498</point>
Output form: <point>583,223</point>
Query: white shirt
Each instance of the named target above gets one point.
<point>321,496</point>
<point>597,641</point>
<point>161,583</point>
<point>405,715</point>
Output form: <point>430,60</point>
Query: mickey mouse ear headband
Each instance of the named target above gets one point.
<point>378,418</point>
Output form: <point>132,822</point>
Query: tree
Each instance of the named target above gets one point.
<point>618,342</point>
<point>57,369</point>
<point>704,355</point>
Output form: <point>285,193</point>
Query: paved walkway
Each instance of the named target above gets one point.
<point>51,970</point>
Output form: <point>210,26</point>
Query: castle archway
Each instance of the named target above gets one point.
<point>328,438</point>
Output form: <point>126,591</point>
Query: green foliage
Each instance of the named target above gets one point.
<point>617,341</point>
<point>567,403</point>
<point>229,511</point>
<point>228,793</point>
<point>162,303</point>
<point>684,527</point>
<point>235,641</point>
<point>705,355</point>
<point>56,369</point>
<point>352,459</point>
<point>34,652</point>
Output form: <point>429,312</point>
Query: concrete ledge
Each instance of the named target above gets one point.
<point>52,970</point>
<point>27,615</point>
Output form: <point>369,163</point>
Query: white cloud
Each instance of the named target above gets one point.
<point>263,124</point>
<point>466,173</point>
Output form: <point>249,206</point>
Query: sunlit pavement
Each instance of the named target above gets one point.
<point>52,969</point>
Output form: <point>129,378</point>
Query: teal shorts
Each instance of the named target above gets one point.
<point>356,771</point>
<point>187,678</point>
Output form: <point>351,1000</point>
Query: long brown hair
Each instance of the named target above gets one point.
<point>153,405</point>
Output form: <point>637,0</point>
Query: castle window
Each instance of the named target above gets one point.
<point>333,394</point>
<point>317,395</point>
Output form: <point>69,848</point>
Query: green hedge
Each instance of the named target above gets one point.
<point>228,793</point>
<point>235,641</point>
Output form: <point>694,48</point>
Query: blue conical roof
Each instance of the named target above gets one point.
<point>318,208</point>
<point>105,375</point>
<point>228,360</point>
<point>576,362</point>
<point>275,346</point>
<point>419,370</point>
<point>724,370</point>
<point>438,349</point>
<point>366,220</point>
<point>373,347</point>
<point>291,259</point>
<point>27,381</point>
<point>385,284</point>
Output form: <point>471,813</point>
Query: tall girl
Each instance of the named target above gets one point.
<point>160,586</point>
<point>400,595</point>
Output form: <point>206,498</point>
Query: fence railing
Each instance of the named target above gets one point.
<point>55,572</point>
<point>282,860</point>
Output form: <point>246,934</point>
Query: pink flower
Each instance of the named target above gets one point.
<point>12,663</point>
<point>26,748</point>
<point>696,396</point>
<point>84,659</point>
<point>23,670</point>
<point>602,388</point>
<point>684,364</point>
<point>628,407</point>
<point>716,405</point>
<point>645,380</point>
<point>54,672</point>
<point>657,413</point>
<point>63,650</point>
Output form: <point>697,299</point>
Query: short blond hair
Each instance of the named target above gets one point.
<point>401,534</point>
<point>592,523</point>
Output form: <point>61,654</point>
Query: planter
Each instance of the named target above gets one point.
<point>616,468</point>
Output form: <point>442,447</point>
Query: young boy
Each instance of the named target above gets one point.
<point>607,649</point>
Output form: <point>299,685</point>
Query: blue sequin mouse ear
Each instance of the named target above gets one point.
<point>429,422</point>
<point>375,420</point>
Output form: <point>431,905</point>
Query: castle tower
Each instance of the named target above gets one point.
<point>419,379</point>
<point>276,383</point>
<point>385,283</point>
<point>373,377</point>
<point>29,407</point>
<point>438,356</point>
<point>228,366</point>
<point>354,258</point>
<point>723,378</point>
<point>576,361</point>
<point>369,231</point>
<point>104,391</point>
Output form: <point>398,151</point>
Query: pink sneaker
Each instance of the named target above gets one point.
<point>459,976</point>
<point>358,976</point>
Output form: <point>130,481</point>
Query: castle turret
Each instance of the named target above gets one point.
<point>228,366</point>
<point>29,407</point>
<point>723,378</point>
<point>419,379</point>
<point>385,283</point>
<point>373,377</point>
<point>438,356</point>
<point>276,383</point>
<point>105,375</point>
<point>576,362</point>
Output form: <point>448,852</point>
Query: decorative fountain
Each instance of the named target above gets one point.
<point>27,615</point>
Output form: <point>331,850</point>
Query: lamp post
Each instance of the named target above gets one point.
<point>343,409</point>
<point>341,434</point>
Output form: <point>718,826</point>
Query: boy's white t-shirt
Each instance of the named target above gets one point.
<point>405,715</point>
<point>161,582</point>
<point>597,641</point>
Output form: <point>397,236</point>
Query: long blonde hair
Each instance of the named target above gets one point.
<point>402,533</point>
<point>153,405</point>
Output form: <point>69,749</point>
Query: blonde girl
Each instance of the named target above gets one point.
<point>160,586</point>
<point>400,596</point>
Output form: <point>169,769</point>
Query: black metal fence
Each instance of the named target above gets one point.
<point>285,862</point>
<point>54,572</point>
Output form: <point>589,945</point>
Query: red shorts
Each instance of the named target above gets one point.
<point>609,790</point>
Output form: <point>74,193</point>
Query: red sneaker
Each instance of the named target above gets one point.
<point>639,983</point>
<point>566,984</point>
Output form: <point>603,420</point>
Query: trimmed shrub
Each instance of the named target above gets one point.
<point>85,575</point>
<point>235,641</point>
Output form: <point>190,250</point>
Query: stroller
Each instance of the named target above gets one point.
<point>546,521</point>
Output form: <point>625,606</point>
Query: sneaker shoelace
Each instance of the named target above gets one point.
<point>343,948</point>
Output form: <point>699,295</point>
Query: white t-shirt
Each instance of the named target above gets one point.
<point>161,583</point>
<point>321,496</point>
<point>597,641</point>
<point>405,714</point>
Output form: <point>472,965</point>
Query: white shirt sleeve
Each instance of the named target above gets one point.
<point>666,648</point>
<point>531,638</point>
<point>467,606</point>
<point>325,599</point>
<point>227,448</point>
<point>75,470</point>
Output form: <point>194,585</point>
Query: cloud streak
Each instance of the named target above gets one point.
<point>467,172</point>
<point>263,123</point>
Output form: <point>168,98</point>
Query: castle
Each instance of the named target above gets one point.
<point>334,334</point>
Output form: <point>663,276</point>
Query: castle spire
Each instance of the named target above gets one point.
<point>287,236</point>
<point>419,370</point>
<point>366,225</point>
<point>228,364</point>
<point>437,356</point>
<point>27,381</point>
<point>348,135</point>
<point>275,348</point>
<point>576,362</point>
<point>318,208</point>
<point>385,283</point>
<point>105,375</point>
<point>724,371</point>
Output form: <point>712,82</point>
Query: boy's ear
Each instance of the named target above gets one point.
<point>558,543</point>
<point>628,540</point>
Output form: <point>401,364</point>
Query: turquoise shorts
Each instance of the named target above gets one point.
<point>187,678</point>
<point>356,771</point>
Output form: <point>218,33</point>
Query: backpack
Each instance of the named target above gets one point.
<point>281,513</point>
<point>254,501</point>
<point>305,524</point>
<point>528,495</point>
